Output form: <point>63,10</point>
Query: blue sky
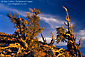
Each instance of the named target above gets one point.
<point>52,16</point>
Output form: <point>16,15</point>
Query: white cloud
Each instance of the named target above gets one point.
<point>82,32</point>
<point>54,23</point>
<point>61,44</point>
<point>48,39</point>
<point>5,9</point>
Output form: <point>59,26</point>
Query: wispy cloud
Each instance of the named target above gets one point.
<point>48,39</point>
<point>82,33</point>
<point>53,22</point>
<point>5,9</point>
<point>61,44</point>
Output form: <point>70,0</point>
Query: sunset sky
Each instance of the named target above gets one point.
<point>52,16</point>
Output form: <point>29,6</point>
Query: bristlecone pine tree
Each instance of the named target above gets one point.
<point>68,36</point>
<point>24,43</point>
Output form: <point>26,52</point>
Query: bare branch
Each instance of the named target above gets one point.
<point>43,38</point>
<point>53,38</point>
<point>65,23</point>
<point>79,43</point>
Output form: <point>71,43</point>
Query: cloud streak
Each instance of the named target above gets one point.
<point>53,21</point>
<point>48,39</point>
<point>80,34</point>
<point>5,8</point>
